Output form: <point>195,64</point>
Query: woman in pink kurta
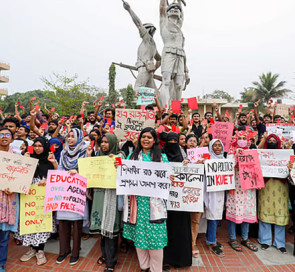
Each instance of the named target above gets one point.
<point>240,204</point>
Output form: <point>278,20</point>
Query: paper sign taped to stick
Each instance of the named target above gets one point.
<point>65,192</point>
<point>250,170</point>
<point>224,132</point>
<point>282,130</point>
<point>32,216</point>
<point>16,172</point>
<point>140,178</point>
<point>129,123</point>
<point>145,96</point>
<point>187,190</point>
<point>197,153</point>
<point>220,175</point>
<point>99,171</point>
<point>274,162</point>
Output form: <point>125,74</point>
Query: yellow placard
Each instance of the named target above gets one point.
<point>32,216</point>
<point>99,171</point>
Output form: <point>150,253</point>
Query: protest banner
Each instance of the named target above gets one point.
<point>129,123</point>
<point>250,170</point>
<point>145,96</point>
<point>283,110</point>
<point>32,216</point>
<point>197,153</point>
<point>99,171</point>
<point>140,178</point>
<point>65,192</point>
<point>274,162</point>
<point>187,190</point>
<point>220,175</point>
<point>224,132</point>
<point>282,130</point>
<point>16,172</point>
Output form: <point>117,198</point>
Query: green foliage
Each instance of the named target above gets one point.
<point>113,94</point>
<point>223,95</point>
<point>128,96</point>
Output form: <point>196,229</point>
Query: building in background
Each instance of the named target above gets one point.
<point>3,78</point>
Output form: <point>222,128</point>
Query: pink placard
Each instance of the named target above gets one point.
<point>196,154</point>
<point>250,170</point>
<point>65,192</point>
<point>224,132</point>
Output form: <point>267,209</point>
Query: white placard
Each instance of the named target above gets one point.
<point>140,178</point>
<point>197,153</point>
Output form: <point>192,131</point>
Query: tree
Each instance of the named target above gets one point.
<point>128,96</point>
<point>267,87</point>
<point>113,94</point>
<point>222,94</point>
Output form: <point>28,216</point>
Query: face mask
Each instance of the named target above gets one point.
<point>242,143</point>
<point>272,145</point>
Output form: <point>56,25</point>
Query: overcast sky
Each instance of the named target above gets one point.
<point>229,43</point>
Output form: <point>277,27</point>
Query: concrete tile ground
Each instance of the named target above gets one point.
<point>232,262</point>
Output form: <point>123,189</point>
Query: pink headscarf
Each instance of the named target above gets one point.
<point>234,144</point>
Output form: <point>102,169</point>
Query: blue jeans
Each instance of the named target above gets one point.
<point>232,230</point>
<point>4,240</point>
<point>211,232</point>
<point>265,235</point>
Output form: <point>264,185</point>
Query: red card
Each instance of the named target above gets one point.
<point>52,109</point>
<point>86,108</point>
<point>44,125</point>
<point>18,102</point>
<point>71,117</point>
<point>276,102</point>
<point>84,133</point>
<point>283,139</point>
<point>111,129</point>
<point>159,122</point>
<point>124,107</point>
<point>271,101</point>
<point>101,98</point>
<point>37,107</point>
<point>166,106</point>
<point>87,124</point>
<point>52,148</point>
<point>241,106</point>
<point>34,97</point>
<point>212,121</point>
<point>173,128</point>
<point>113,105</point>
<point>118,160</point>
<point>192,103</point>
<point>227,113</point>
<point>64,128</point>
<point>0,109</point>
<point>82,115</point>
<point>175,106</point>
<point>209,130</point>
<point>292,116</point>
<point>214,104</point>
<point>292,158</point>
<point>62,119</point>
<point>191,122</point>
<point>181,100</point>
<point>92,144</point>
<point>206,156</point>
<point>240,110</point>
<point>252,110</point>
<point>31,149</point>
<point>109,121</point>
<point>21,106</point>
<point>121,101</point>
<point>75,117</point>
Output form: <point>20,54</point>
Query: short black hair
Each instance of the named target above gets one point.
<point>23,116</point>
<point>277,116</point>
<point>195,113</point>
<point>26,129</point>
<point>4,128</point>
<point>173,115</point>
<point>208,112</point>
<point>109,109</point>
<point>90,112</point>
<point>149,107</point>
<point>267,115</point>
<point>242,114</point>
<point>11,120</point>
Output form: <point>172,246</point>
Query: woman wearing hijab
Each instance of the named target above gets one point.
<point>214,202</point>
<point>46,162</point>
<point>75,149</point>
<point>179,248</point>
<point>58,145</point>
<point>105,216</point>
<point>240,204</point>
<point>273,205</point>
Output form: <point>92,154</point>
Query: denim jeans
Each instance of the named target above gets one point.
<point>232,230</point>
<point>4,240</point>
<point>265,235</point>
<point>211,232</point>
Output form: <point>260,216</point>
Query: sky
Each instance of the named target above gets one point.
<point>228,43</point>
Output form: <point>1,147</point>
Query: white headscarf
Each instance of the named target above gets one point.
<point>213,155</point>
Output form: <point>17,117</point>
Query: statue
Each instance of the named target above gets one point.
<point>173,67</point>
<point>146,53</point>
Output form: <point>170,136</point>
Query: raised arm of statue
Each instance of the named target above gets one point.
<point>134,17</point>
<point>163,7</point>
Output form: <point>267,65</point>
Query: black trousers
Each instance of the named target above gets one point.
<point>40,247</point>
<point>109,249</point>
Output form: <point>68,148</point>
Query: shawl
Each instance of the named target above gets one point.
<point>43,164</point>
<point>172,150</point>
<point>211,152</point>
<point>71,154</point>
<point>277,139</point>
<point>58,151</point>
<point>234,145</point>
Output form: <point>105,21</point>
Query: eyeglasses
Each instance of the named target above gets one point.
<point>7,135</point>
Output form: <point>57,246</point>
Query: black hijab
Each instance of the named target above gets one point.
<point>43,165</point>
<point>172,150</point>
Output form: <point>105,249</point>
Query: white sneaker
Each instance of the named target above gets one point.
<point>28,255</point>
<point>41,259</point>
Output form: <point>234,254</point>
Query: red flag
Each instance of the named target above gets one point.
<point>192,103</point>
<point>176,106</point>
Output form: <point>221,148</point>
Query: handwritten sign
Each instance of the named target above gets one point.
<point>224,132</point>
<point>15,146</point>
<point>283,110</point>
<point>65,192</point>
<point>150,179</point>
<point>250,170</point>
<point>16,172</point>
<point>220,175</point>
<point>129,123</point>
<point>274,162</point>
<point>282,130</point>
<point>145,96</point>
<point>99,171</point>
<point>196,154</point>
<point>32,216</point>
<point>187,190</point>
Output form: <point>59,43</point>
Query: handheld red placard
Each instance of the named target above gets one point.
<point>84,133</point>
<point>292,116</point>
<point>173,128</point>
<point>276,102</point>
<point>212,121</point>
<point>52,148</point>
<point>0,109</point>
<point>21,106</point>
<point>192,103</point>
<point>176,106</point>
<point>283,139</point>
<point>109,121</point>
<point>292,158</point>
<point>75,117</point>
<point>34,97</point>
<point>113,105</point>
<point>118,160</point>
<point>206,156</point>
<point>181,100</point>
<point>64,128</point>
<point>191,122</point>
<point>92,144</point>
<point>111,129</point>
<point>71,117</point>
<point>227,113</point>
<point>62,119</point>
<point>252,110</point>
<point>214,104</point>
<point>271,101</point>
<point>166,106</point>
<point>101,98</point>
<point>31,149</point>
<point>121,101</point>
<point>18,102</point>
<point>44,125</point>
<point>37,107</point>
<point>241,106</point>
<point>52,109</point>
<point>159,122</point>
<point>82,115</point>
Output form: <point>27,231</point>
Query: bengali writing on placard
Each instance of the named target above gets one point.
<point>146,96</point>
<point>223,131</point>
<point>187,190</point>
<point>195,154</point>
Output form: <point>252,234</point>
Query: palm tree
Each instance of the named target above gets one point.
<point>268,87</point>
